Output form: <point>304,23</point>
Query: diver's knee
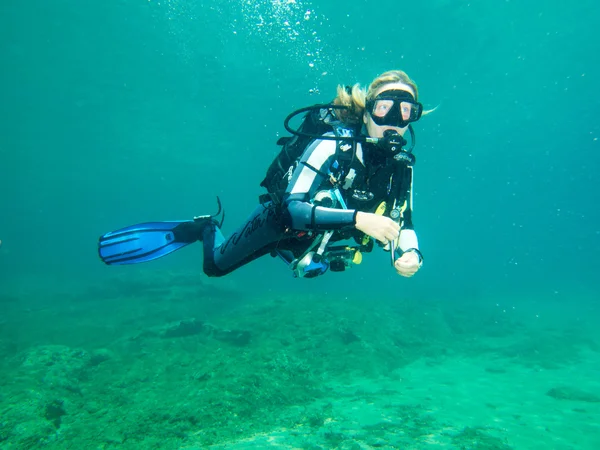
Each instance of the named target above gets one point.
<point>211,270</point>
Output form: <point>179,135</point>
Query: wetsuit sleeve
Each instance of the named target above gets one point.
<point>310,174</point>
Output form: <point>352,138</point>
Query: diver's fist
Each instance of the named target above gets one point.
<point>408,264</point>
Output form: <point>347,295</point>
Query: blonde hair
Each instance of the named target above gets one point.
<point>355,98</point>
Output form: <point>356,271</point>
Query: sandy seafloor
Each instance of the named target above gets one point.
<point>133,364</point>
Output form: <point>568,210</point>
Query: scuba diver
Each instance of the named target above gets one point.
<point>342,183</point>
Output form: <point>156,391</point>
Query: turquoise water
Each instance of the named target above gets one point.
<point>122,112</point>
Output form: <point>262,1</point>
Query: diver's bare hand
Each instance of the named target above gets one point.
<point>379,227</point>
<point>407,265</point>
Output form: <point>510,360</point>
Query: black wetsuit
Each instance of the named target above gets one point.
<point>368,180</point>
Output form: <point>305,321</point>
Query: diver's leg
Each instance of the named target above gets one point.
<point>257,236</point>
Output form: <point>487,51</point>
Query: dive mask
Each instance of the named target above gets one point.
<point>394,108</point>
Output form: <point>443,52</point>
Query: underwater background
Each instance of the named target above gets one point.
<point>114,113</point>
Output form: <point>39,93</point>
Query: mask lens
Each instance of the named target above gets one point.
<point>406,110</point>
<point>410,112</point>
<point>382,107</point>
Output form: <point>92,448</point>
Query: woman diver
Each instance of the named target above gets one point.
<point>343,177</point>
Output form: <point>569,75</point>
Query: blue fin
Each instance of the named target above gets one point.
<point>140,243</point>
